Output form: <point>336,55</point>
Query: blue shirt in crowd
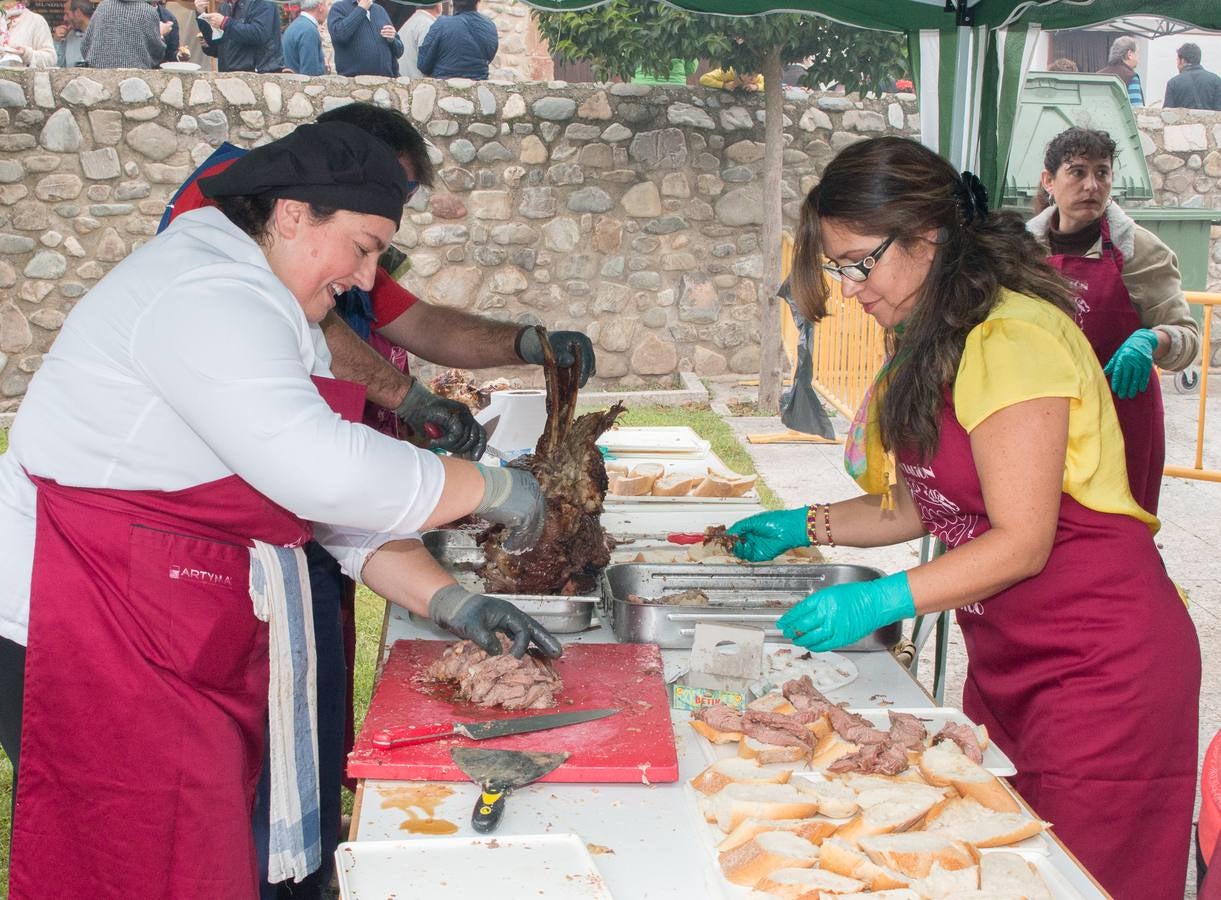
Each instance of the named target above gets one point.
<point>359,47</point>
<point>302,46</point>
<point>459,46</point>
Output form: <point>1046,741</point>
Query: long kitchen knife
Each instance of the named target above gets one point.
<point>389,738</point>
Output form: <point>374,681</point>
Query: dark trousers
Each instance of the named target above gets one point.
<point>12,686</point>
<point>326,583</point>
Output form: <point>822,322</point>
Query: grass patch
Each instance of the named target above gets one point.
<point>370,612</point>
<point>3,440</point>
<point>712,428</point>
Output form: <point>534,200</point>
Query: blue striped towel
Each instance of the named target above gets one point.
<point>279,588</point>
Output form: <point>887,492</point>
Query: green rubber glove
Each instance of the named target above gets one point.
<point>844,613</point>
<point>1129,369</point>
<point>768,534</point>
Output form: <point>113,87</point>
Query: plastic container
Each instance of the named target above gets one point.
<point>1210,800</point>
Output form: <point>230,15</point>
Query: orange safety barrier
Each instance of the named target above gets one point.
<point>849,346</point>
<point>1197,471</point>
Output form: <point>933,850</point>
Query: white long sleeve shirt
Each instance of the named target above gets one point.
<point>190,362</point>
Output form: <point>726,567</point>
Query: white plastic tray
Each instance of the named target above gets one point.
<point>506,867</point>
<point>653,439</point>
<point>934,719</point>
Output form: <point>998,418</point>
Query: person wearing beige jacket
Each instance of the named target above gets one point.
<point>1129,294</point>
<point>26,37</point>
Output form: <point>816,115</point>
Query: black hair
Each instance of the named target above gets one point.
<point>1190,54</point>
<point>251,213</point>
<point>390,127</point>
<point>464,5</point>
<point>82,6</point>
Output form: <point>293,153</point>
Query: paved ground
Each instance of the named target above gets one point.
<point>1190,539</point>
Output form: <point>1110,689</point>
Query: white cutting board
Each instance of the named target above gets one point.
<point>504,867</point>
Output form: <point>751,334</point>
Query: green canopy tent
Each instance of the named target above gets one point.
<point>969,59</point>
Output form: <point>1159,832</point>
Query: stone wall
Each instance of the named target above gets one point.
<point>626,210</point>
<point>523,53</point>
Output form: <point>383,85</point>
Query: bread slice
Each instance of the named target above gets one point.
<point>675,484</point>
<point>829,748</point>
<point>629,485</point>
<point>760,857</point>
<point>915,852</point>
<point>941,882</point>
<point>712,734</point>
<point>738,802</point>
<point>946,764</point>
<point>837,856</point>
<point>766,754</point>
<point>969,821</point>
<point>835,799</point>
<point>792,884</point>
<point>1010,873</point>
<point>815,830</point>
<point>733,769</point>
<point>651,471</point>
<point>898,814</point>
<point>898,791</point>
<point>773,702</point>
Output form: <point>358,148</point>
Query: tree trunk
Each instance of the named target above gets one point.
<point>770,378</point>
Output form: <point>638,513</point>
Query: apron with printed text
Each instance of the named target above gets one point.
<point>1107,316</point>
<point>146,689</point>
<point>1086,675</point>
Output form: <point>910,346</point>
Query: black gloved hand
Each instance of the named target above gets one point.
<point>569,348</point>
<point>513,498</point>
<point>395,262</point>
<point>478,618</point>
<point>445,423</point>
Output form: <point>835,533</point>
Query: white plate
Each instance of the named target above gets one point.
<point>828,671</point>
<point>934,718</point>
<point>507,867</point>
<point>1057,881</point>
<point>181,66</point>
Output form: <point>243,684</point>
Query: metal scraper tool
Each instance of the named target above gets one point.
<point>498,772</point>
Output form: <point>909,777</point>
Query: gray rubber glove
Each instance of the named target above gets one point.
<point>478,618</point>
<point>569,348</point>
<point>512,497</point>
<point>445,423</point>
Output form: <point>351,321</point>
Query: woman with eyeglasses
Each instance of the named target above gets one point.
<point>1130,301</point>
<point>181,443</point>
<point>1083,662</point>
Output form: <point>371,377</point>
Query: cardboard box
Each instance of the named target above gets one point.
<point>726,660</point>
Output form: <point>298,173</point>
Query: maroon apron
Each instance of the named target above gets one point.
<point>1087,675</point>
<point>1107,316</point>
<point>145,690</point>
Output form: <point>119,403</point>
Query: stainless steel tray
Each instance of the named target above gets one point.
<point>758,595</point>
<point>559,615</point>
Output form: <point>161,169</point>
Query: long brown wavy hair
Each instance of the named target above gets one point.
<point>897,187</point>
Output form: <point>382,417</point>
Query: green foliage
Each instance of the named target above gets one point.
<point>625,34</point>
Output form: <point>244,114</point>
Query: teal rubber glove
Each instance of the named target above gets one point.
<point>844,613</point>
<point>766,535</point>
<point>1129,369</point>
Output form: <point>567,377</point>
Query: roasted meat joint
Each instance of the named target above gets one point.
<point>574,547</point>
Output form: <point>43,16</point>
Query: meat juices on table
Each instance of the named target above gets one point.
<point>502,681</point>
<point>573,548</point>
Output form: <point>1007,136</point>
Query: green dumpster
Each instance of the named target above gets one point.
<point>1053,101</point>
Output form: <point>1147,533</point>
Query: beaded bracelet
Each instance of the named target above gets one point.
<point>826,520</point>
<point>812,524</point>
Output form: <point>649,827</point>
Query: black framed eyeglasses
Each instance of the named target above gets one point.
<point>857,271</point>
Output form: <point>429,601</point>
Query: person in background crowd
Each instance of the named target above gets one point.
<point>729,80</point>
<point>364,38</point>
<point>1063,64</point>
<point>1130,305</point>
<point>244,35</point>
<point>461,45</point>
<point>1122,62</point>
<point>25,37</point>
<point>412,34</point>
<point>302,41</point>
<point>172,40</point>
<point>125,34</point>
<point>69,34</point>
<point>1083,662</point>
<point>1194,87</point>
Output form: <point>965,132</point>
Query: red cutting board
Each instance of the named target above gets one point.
<point>634,745</point>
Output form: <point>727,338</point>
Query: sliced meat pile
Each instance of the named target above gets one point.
<point>880,752</point>
<point>964,737</point>
<point>777,728</point>
<point>501,681</point>
<point>907,730</point>
<point>454,384</point>
<point>719,716</point>
<point>718,541</point>
<point>573,548</point>
<point>873,759</point>
<point>854,728</point>
<point>805,697</point>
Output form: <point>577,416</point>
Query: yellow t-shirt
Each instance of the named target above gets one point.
<point>1027,349</point>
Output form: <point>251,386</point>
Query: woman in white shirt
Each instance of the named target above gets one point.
<point>25,38</point>
<point>178,420</point>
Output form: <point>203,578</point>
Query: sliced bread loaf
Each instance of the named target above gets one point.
<point>914,853</point>
<point>733,769</point>
<point>763,855</point>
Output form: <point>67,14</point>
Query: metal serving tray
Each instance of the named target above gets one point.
<point>758,595</point>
